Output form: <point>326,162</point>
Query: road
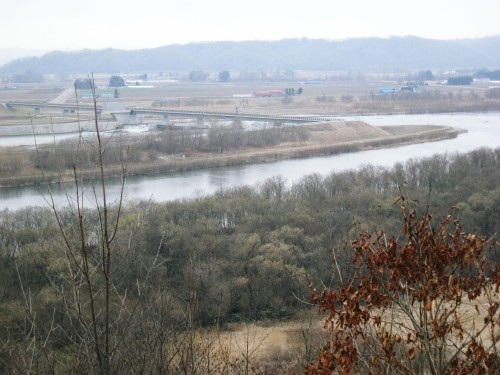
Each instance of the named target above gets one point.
<point>63,96</point>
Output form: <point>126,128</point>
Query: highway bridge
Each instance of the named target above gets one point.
<point>133,115</point>
<point>66,109</point>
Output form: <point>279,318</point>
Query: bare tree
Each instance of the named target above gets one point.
<point>104,287</point>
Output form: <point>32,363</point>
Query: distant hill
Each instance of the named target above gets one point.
<point>362,54</point>
<point>9,54</point>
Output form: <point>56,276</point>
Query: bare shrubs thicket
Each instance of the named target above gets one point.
<point>149,148</point>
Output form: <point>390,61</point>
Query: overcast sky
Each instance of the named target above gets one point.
<point>129,24</point>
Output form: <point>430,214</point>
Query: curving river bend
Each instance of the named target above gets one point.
<point>483,130</point>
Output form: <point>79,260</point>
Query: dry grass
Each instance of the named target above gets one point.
<point>342,131</point>
<point>277,348</point>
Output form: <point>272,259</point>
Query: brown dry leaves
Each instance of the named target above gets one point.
<point>413,286</point>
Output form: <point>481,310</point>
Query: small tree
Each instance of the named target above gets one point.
<point>224,76</point>
<point>101,297</point>
<point>424,302</point>
<point>116,81</point>
<point>83,84</point>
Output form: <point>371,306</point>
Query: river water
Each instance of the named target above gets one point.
<point>483,130</point>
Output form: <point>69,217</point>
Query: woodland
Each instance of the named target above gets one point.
<point>148,288</point>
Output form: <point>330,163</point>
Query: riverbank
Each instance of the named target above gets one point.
<point>324,139</point>
<point>327,139</point>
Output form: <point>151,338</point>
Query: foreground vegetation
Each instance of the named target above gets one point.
<point>422,302</point>
<point>150,288</point>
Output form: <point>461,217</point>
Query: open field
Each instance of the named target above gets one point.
<point>331,97</point>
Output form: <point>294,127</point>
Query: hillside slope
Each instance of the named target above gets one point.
<point>362,54</point>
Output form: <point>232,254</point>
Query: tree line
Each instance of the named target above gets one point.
<point>219,138</point>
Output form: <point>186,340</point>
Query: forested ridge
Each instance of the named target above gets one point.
<point>243,254</point>
<point>357,54</point>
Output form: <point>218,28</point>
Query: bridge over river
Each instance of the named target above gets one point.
<point>135,116</point>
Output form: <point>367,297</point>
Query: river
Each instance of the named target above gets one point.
<point>483,130</point>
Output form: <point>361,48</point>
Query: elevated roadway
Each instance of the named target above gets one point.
<point>64,108</point>
<point>167,114</point>
<point>132,114</point>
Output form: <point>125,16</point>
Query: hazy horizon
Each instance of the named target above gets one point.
<point>9,54</point>
<point>65,25</point>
